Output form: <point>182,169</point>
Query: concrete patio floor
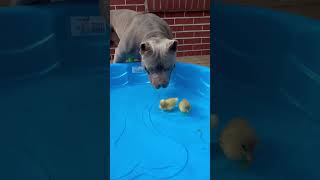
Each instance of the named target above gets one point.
<point>200,60</point>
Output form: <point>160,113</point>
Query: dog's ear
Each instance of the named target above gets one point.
<point>173,44</point>
<point>145,47</point>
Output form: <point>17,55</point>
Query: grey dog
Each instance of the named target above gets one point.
<point>145,36</point>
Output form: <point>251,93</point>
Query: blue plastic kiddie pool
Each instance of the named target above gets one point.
<point>149,143</point>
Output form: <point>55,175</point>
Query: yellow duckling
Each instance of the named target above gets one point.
<point>168,104</point>
<point>213,121</point>
<point>238,140</point>
<point>184,106</point>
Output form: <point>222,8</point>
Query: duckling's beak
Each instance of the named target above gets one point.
<point>249,156</point>
<point>247,151</point>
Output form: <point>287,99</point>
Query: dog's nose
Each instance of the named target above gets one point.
<point>155,84</point>
<point>165,85</point>
<point>164,81</point>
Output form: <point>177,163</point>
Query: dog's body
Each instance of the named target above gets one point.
<point>145,36</point>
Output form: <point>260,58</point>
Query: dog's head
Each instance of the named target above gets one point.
<point>159,58</point>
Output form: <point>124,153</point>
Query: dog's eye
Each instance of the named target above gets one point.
<point>171,68</point>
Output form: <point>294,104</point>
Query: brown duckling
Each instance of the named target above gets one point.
<point>168,104</point>
<point>238,140</point>
<point>184,106</point>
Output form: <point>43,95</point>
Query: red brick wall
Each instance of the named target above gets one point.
<point>136,5</point>
<point>178,5</point>
<point>190,28</point>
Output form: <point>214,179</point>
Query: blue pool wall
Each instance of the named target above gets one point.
<point>276,51</point>
<point>35,38</point>
<point>122,74</point>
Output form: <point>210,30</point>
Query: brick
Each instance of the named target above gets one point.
<point>164,5</point>
<point>180,41</point>
<point>160,14</point>
<point>195,4</point>
<point>201,46</point>
<point>131,7</point>
<point>206,27</point>
<point>184,47</point>
<point>204,4</point>
<point>140,8</point>
<point>150,6</point>
<point>112,7</point>
<point>202,34</point>
<point>179,54</point>
<point>174,34</point>
<point>170,5</point>
<point>188,4</point>
<point>192,53</point>
<point>201,4</point>
<point>205,40</point>
<point>206,13</point>
<point>192,41</point>
<point>184,34</point>
<point>112,51</point>
<point>183,4</point>
<point>192,27</point>
<point>134,2</point>
<point>184,21</point>
<point>176,4</point>
<point>207,4</point>
<point>170,21</point>
<point>174,14</point>
<point>201,20</point>
<point>157,5</point>
<point>117,2</point>
<point>205,52</point>
<point>176,28</point>
<point>194,13</point>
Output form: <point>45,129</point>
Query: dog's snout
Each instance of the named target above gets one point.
<point>159,80</point>
<point>159,84</point>
<point>164,81</point>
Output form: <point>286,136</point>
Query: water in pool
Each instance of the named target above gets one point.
<point>148,143</point>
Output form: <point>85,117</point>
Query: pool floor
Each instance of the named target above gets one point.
<point>147,143</point>
<point>289,140</point>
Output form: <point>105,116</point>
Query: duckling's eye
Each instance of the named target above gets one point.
<point>243,147</point>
